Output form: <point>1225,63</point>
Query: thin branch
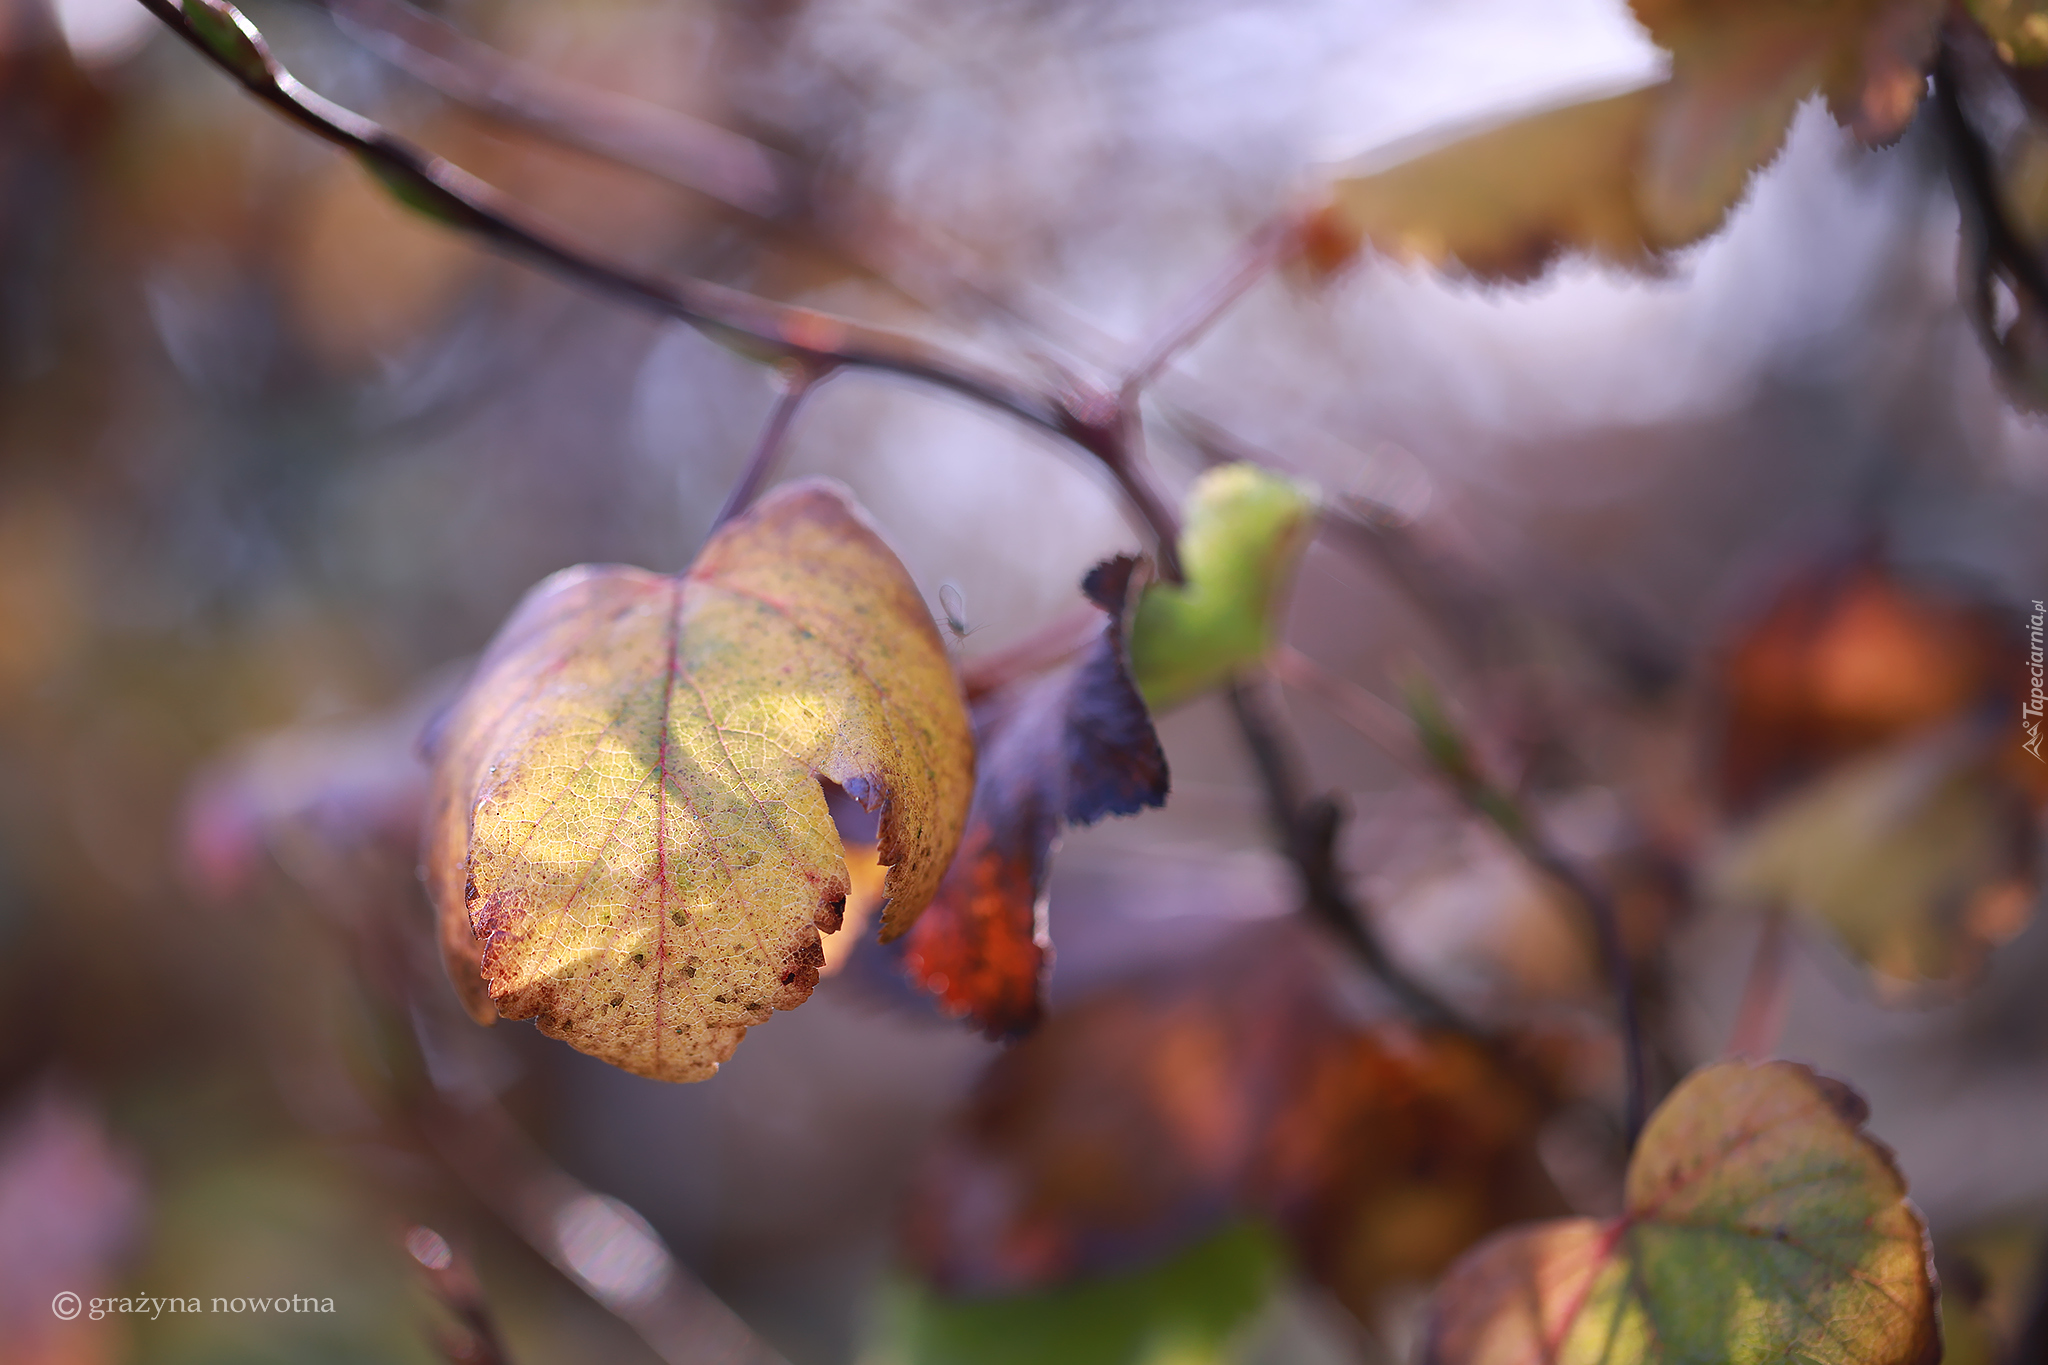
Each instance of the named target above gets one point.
<point>1395,735</point>
<point>1454,760</point>
<point>1197,313</point>
<point>1381,722</point>
<point>683,150</point>
<point>1307,827</point>
<point>1088,418</point>
<point>799,381</point>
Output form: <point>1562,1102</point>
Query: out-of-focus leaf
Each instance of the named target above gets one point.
<point>1920,858</point>
<point>1183,1311</point>
<point>1503,202</point>
<point>337,806</point>
<point>1745,57</point>
<point>627,810</point>
<point>70,1206</point>
<point>1760,1223</point>
<point>1065,747</point>
<point>2018,27</point>
<point>1990,1278</point>
<point>1845,658</point>
<point>1246,529</point>
<point>1150,1114</point>
<point>1630,178</point>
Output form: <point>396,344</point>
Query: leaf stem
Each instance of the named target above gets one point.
<point>1200,310</point>
<point>799,380</point>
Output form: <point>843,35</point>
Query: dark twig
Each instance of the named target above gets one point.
<point>1307,827</point>
<point>1441,755</point>
<point>1453,758</point>
<point>1089,418</point>
<point>798,382</point>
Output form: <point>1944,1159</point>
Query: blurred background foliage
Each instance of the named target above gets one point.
<point>276,456</point>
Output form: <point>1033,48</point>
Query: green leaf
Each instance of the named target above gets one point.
<point>1760,1224</point>
<point>1246,530</point>
<point>1184,1311</point>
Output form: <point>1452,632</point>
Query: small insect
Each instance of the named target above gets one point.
<point>953,603</point>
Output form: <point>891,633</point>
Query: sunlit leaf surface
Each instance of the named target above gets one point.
<point>628,815</point>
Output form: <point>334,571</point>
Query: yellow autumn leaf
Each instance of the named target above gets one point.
<point>628,840</point>
<point>1503,201</point>
<point>1628,179</point>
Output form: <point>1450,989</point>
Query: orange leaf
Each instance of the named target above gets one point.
<point>1066,747</point>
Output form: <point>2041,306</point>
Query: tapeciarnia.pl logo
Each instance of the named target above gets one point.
<point>2037,700</point>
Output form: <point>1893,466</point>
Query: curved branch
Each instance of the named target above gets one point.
<point>1089,419</point>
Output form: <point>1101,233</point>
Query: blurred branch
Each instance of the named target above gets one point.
<point>602,1245</point>
<point>635,133</point>
<point>1307,827</point>
<point>1186,324</point>
<point>1085,416</point>
<point>1996,246</point>
<point>449,1275</point>
<point>1453,758</point>
<point>1391,732</point>
<point>443,1105</point>
<point>798,381</point>
<point>1442,755</point>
